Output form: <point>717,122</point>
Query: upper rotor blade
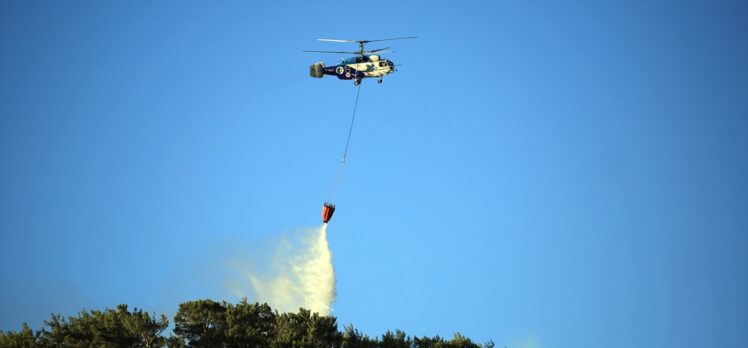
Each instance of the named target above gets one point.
<point>339,52</point>
<point>367,41</point>
<point>336,40</point>
<point>394,38</point>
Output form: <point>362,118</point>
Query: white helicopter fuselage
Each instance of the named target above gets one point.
<point>374,68</point>
<point>355,68</point>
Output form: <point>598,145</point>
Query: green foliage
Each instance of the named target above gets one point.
<point>205,323</point>
<point>398,339</point>
<point>352,338</point>
<point>306,330</point>
<point>457,341</point>
<point>118,327</point>
<point>25,338</point>
<point>201,323</point>
<point>250,325</point>
<point>142,325</point>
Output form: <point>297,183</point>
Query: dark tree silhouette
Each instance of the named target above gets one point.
<point>206,323</point>
<point>201,323</point>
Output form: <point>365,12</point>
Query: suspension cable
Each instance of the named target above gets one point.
<point>341,168</point>
<point>350,130</point>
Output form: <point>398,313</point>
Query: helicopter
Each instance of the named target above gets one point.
<point>365,64</point>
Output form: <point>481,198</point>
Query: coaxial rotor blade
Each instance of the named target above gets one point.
<point>394,38</point>
<point>336,40</point>
<point>367,41</point>
<point>338,52</point>
<point>379,50</point>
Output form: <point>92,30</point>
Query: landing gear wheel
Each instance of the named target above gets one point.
<point>379,81</point>
<point>356,82</point>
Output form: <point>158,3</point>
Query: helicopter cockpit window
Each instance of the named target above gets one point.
<point>382,64</point>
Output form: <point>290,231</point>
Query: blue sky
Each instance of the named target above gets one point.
<point>536,173</point>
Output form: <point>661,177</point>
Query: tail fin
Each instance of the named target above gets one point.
<point>317,70</point>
